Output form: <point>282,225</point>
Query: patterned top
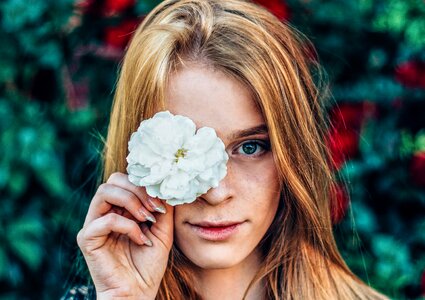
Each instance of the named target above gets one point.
<point>80,292</point>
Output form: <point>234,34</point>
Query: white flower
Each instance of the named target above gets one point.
<point>172,161</point>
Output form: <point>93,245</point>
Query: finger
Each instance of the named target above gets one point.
<point>127,215</point>
<point>121,180</point>
<point>95,234</point>
<point>109,196</point>
<point>163,229</point>
<point>144,228</point>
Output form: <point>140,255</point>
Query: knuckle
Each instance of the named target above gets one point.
<point>114,177</point>
<point>111,219</point>
<point>101,192</point>
<point>103,188</point>
<point>80,238</point>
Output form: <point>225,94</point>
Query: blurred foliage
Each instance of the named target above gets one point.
<point>374,54</point>
<point>58,66</point>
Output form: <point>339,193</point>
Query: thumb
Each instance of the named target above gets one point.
<point>163,229</point>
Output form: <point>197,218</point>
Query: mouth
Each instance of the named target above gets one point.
<point>216,231</point>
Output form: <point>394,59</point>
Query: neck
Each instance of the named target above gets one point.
<point>230,283</point>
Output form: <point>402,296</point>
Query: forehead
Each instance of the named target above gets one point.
<point>212,98</point>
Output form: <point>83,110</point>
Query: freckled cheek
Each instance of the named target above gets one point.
<point>258,185</point>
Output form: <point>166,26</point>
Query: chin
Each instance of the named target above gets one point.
<point>214,256</point>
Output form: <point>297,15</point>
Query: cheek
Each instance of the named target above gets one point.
<point>179,215</point>
<point>182,213</point>
<point>258,181</point>
<point>258,192</point>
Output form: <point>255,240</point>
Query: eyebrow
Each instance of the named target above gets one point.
<point>260,129</point>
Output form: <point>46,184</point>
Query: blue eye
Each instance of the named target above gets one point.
<point>252,148</point>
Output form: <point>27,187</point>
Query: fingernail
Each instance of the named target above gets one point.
<point>151,219</point>
<point>147,241</point>
<point>147,216</point>
<point>159,208</point>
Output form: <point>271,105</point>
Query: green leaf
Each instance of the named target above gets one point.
<point>52,178</point>
<point>3,262</point>
<point>7,72</point>
<point>420,141</point>
<point>407,144</point>
<point>393,17</point>
<point>18,182</point>
<point>4,174</point>
<point>144,7</point>
<point>415,33</point>
<point>376,89</point>
<point>82,119</point>
<point>50,55</point>
<point>24,238</point>
<point>365,220</point>
<point>18,13</point>
<point>29,251</point>
<point>26,226</point>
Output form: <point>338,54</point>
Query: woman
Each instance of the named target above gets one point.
<point>265,231</point>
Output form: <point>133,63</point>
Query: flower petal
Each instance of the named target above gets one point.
<point>173,161</point>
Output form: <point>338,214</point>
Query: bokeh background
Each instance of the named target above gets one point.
<point>58,66</point>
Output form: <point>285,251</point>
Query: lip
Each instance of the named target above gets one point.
<point>215,231</point>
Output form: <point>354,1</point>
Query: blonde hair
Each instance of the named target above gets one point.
<point>243,40</point>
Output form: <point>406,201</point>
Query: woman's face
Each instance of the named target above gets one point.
<point>223,227</point>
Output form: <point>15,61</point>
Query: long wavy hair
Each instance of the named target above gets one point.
<point>273,60</point>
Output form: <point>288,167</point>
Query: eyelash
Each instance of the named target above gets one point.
<point>264,144</point>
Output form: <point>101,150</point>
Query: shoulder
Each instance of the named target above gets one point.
<point>79,292</point>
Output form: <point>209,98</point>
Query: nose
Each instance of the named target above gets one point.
<point>223,192</point>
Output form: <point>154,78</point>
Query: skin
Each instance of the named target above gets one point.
<point>249,193</point>
<point>120,262</point>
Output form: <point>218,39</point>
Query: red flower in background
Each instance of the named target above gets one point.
<point>119,36</point>
<point>277,7</point>
<point>417,168</point>
<point>351,115</point>
<point>411,74</point>
<point>423,283</point>
<point>104,7</point>
<point>346,122</point>
<point>339,203</point>
<point>343,145</point>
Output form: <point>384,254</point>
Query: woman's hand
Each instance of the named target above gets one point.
<point>125,257</point>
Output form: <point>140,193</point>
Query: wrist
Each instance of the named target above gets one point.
<point>102,296</point>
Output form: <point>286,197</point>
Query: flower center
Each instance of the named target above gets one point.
<point>180,153</point>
